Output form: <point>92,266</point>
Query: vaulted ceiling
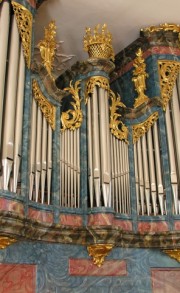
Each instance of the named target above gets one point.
<point>124,18</point>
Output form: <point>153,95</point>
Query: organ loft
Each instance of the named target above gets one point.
<point>89,158</point>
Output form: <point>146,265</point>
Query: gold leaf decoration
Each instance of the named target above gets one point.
<point>100,81</point>
<point>168,72</point>
<point>118,129</point>
<point>141,128</point>
<point>174,253</point>
<point>139,78</point>
<point>99,252</point>
<point>47,47</point>
<point>6,241</point>
<point>72,118</point>
<point>48,110</point>
<point>163,27</point>
<point>99,44</point>
<point>24,22</point>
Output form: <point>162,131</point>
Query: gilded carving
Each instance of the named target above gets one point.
<point>168,72</point>
<point>141,128</point>
<point>118,129</point>
<point>72,118</point>
<point>165,27</point>
<point>99,252</point>
<point>6,241</point>
<point>100,81</point>
<point>47,47</point>
<point>139,78</point>
<point>99,45</point>
<point>48,110</point>
<point>174,253</point>
<point>24,22</point>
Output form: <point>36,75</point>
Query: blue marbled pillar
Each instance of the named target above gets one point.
<point>83,155</point>
<point>53,270</point>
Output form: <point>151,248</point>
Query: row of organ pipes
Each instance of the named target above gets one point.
<point>108,160</point>
<point>12,79</point>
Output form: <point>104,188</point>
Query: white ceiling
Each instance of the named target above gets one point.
<point>124,18</point>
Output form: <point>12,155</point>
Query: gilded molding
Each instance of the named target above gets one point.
<point>48,110</point>
<point>6,241</point>
<point>100,81</point>
<point>139,78</point>
<point>118,129</point>
<point>141,128</point>
<point>72,118</point>
<point>24,20</point>
<point>168,72</point>
<point>99,45</point>
<point>175,28</point>
<point>47,47</point>
<point>173,253</point>
<point>99,252</point>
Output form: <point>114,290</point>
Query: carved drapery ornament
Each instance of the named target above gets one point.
<point>141,128</point>
<point>6,241</point>
<point>174,253</point>
<point>100,81</point>
<point>118,128</point>
<point>168,72</point>
<point>72,118</point>
<point>24,22</point>
<point>99,252</point>
<point>48,110</point>
<point>47,47</point>
<point>139,78</point>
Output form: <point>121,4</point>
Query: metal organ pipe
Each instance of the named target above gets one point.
<point>10,105</point>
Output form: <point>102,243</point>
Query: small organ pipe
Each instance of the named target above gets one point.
<point>44,158</point>
<point>146,174</point>
<point>49,163</point>
<point>90,153</point>
<point>38,153</point>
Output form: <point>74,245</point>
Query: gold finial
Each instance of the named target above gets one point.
<point>99,252</point>
<point>99,45</point>
<point>139,78</point>
<point>47,46</point>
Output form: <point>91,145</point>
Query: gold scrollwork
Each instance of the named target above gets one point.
<point>168,72</point>
<point>24,22</point>
<point>99,252</point>
<point>100,81</point>
<point>139,78</point>
<point>72,119</point>
<point>141,128</point>
<point>118,129</point>
<point>6,241</point>
<point>47,47</point>
<point>174,253</point>
<point>165,27</point>
<point>48,110</point>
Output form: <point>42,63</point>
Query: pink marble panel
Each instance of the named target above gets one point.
<point>125,225</point>
<point>41,216</point>
<point>11,206</point>
<point>100,219</point>
<point>144,227</point>
<point>177,225</point>
<point>165,280</point>
<point>86,267</point>
<point>71,220</point>
<point>19,278</point>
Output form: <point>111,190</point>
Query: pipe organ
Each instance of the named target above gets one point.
<point>103,150</point>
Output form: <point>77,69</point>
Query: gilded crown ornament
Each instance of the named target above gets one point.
<point>99,44</point>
